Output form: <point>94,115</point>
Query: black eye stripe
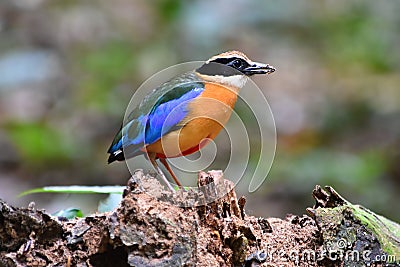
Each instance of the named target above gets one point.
<point>232,62</point>
<point>217,69</point>
<point>234,67</point>
<point>222,60</point>
<point>226,61</point>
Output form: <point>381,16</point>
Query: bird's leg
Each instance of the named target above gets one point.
<point>166,165</point>
<point>152,158</point>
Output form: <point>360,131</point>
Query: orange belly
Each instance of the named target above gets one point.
<point>207,115</point>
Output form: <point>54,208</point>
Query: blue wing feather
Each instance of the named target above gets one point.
<point>168,115</point>
<point>159,113</point>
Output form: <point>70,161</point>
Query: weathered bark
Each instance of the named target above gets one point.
<point>153,227</point>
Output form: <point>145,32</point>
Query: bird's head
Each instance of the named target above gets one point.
<point>232,68</point>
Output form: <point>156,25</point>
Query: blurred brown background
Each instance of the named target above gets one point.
<point>68,69</point>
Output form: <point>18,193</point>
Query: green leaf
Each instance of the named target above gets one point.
<point>70,213</point>
<point>76,189</point>
<point>110,203</point>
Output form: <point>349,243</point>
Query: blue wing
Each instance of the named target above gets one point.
<point>159,113</point>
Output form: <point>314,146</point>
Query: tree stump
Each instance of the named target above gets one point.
<point>154,227</point>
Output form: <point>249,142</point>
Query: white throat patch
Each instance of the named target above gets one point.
<point>236,81</point>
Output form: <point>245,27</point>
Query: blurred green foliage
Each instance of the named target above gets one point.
<point>104,67</point>
<point>169,10</point>
<point>343,169</point>
<point>40,144</point>
<point>354,39</point>
<point>338,67</point>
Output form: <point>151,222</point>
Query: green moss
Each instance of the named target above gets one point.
<point>331,221</point>
<point>387,231</point>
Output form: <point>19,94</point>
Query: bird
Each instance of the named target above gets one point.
<point>182,115</point>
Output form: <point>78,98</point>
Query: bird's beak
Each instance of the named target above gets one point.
<point>258,68</point>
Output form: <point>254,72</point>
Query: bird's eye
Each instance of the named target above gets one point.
<point>237,63</point>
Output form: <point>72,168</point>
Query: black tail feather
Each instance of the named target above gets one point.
<point>118,157</point>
